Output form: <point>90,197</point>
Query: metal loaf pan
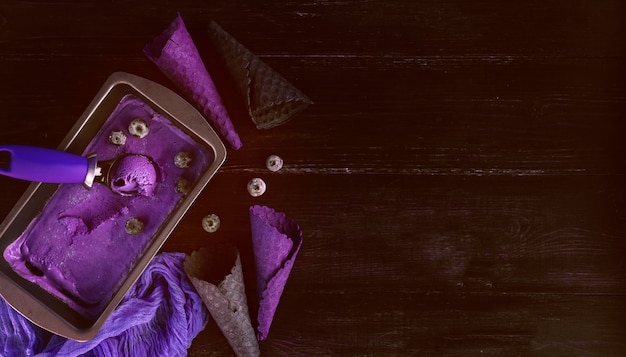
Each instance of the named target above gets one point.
<point>32,301</point>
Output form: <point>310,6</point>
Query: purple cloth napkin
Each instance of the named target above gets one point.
<point>18,336</point>
<point>159,316</point>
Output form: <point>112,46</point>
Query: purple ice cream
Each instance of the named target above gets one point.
<point>83,243</point>
<point>133,175</point>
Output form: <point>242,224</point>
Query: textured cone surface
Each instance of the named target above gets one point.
<point>226,301</point>
<point>271,99</point>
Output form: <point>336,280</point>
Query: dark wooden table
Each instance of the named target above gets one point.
<point>459,179</point>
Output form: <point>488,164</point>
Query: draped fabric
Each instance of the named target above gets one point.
<point>160,316</point>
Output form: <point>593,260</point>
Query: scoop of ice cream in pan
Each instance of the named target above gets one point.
<point>126,175</point>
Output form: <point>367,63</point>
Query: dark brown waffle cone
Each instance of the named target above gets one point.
<point>270,98</point>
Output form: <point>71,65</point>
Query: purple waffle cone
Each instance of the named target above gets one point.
<point>276,240</point>
<point>174,52</point>
<point>270,98</point>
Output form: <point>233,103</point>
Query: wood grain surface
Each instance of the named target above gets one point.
<point>459,179</point>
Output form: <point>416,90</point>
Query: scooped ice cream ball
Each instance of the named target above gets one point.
<point>133,175</point>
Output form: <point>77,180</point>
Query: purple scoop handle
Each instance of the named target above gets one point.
<point>44,165</point>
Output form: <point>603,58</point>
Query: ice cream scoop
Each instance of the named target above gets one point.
<point>126,175</point>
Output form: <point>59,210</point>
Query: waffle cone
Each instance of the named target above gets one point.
<point>174,52</point>
<point>276,240</point>
<point>226,301</point>
<point>270,98</point>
